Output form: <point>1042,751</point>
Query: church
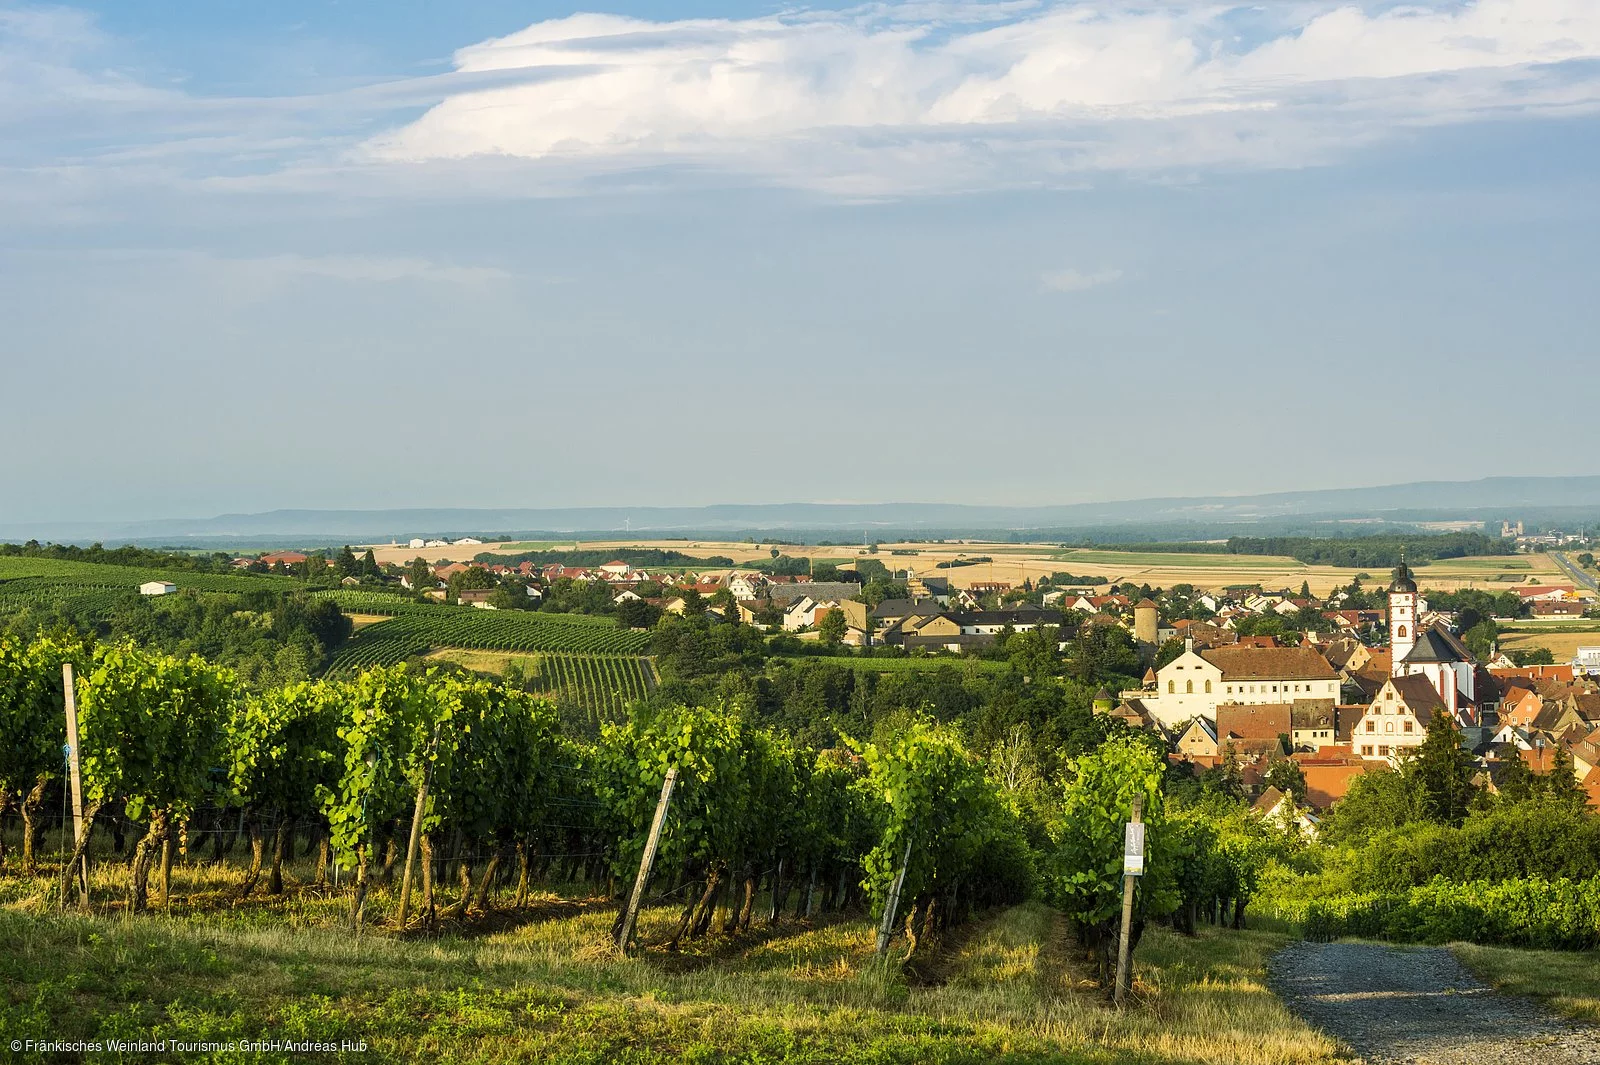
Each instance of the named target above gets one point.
<point>1434,652</point>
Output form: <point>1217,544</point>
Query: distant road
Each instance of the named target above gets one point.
<point>1575,572</point>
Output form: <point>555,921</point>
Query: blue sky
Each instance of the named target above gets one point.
<point>344,255</point>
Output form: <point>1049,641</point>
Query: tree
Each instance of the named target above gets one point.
<point>1516,782</point>
<point>1226,778</point>
<point>1560,785</point>
<point>774,552</point>
<point>1286,775</point>
<point>419,574</point>
<point>473,577</point>
<point>832,627</point>
<point>347,564</point>
<point>1533,656</point>
<point>1440,771</point>
<point>369,565</point>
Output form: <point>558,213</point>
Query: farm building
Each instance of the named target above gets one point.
<point>157,588</point>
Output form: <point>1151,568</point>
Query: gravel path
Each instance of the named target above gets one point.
<point>1418,1004</point>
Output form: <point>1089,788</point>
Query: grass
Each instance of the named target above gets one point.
<point>1566,981</point>
<point>541,986</point>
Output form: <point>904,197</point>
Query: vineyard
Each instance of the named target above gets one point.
<point>33,578</point>
<point>414,628</point>
<point>603,684</point>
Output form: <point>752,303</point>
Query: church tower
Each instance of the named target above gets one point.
<point>1402,616</point>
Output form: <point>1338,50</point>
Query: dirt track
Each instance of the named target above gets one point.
<point>1418,1004</point>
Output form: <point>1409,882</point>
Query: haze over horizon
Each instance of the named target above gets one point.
<point>497,254</point>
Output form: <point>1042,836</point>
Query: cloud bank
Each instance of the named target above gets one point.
<point>939,97</point>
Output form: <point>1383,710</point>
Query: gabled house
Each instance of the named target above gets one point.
<point>1399,718</point>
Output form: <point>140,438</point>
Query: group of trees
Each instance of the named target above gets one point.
<point>267,636</point>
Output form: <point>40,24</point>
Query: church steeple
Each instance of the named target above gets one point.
<point>1402,617</point>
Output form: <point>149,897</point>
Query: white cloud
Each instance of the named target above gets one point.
<point>889,99</point>
<point>1078,280</point>
<point>880,100</point>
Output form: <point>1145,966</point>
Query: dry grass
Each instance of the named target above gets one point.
<point>1569,982</point>
<point>1563,644</point>
<point>541,985</point>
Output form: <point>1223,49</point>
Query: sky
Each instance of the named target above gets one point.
<point>345,255</point>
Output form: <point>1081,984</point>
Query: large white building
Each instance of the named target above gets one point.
<point>1196,682</point>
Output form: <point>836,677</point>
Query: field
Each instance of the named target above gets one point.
<point>1013,563</point>
<point>1562,640</point>
<point>604,684</point>
<point>540,986</point>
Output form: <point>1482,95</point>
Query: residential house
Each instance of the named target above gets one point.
<point>1198,740</point>
<point>1399,717</point>
<point>746,585</point>
<point>1254,730</point>
<point>1558,608</point>
<point>1314,724</point>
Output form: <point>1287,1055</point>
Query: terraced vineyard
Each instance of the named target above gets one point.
<point>416,627</point>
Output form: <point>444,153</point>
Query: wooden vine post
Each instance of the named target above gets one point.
<point>646,862</point>
<point>416,831</point>
<point>75,774</point>
<point>892,904</point>
<point>1132,869</point>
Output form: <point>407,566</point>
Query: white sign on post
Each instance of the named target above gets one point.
<point>1133,849</point>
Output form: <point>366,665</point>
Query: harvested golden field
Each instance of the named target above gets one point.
<point>1563,644</point>
<point>1011,563</point>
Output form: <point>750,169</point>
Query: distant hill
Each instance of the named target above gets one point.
<point>1570,499</point>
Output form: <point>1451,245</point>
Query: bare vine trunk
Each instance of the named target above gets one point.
<point>257,855</point>
<point>166,872</point>
<point>427,876</point>
<point>486,885</point>
<point>32,827</point>
<point>522,875</point>
<point>280,839</point>
<point>143,856</point>
<point>358,901</point>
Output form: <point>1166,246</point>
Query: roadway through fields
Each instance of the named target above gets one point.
<point>1574,571</point>
<point>1419,1004</point>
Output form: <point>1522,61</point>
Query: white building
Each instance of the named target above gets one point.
<point>1196,682</point>
<point>416,542</point>
<point>157,588</point>
<point>1398,718</point>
